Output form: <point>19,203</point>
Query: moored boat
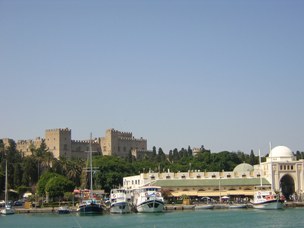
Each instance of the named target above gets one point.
<point>204,206</point>
<point>63,210</point>
<point>8,209</point>
<point>237,206</point>
<point>90,205</point>
<point>267,200</point>
<point>120,201</point>
<point>148,199</point>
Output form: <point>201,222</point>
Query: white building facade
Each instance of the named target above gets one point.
<point>281,172</point>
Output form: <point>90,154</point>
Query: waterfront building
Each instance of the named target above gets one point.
<point>281,172</point>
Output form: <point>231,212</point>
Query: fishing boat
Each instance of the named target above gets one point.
<point>8,209</point>
<point>267,199</point>
<point>148,199</point>
<point>120,201</point>
<point>90,205</point>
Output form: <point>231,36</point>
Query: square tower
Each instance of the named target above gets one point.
<point>59,142</point>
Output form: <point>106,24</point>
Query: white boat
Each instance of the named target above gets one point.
<point>8,209</point>
<point>267,200</point>
<point>264,199</point>
<point>120,201</point>
<point>63,210</point>
<point>204,206</point>
<point>90,205</point>
<point>148,199</point>
<point>237,206</point>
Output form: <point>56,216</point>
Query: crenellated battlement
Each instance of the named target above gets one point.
<point>58,129</point>
<point>132,139</point>
<point>25,141</point>
<point>120,133</point>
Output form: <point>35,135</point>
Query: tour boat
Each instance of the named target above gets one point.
<point>148,199</point>
<point>8,209</point>
<point>267,200</point>
<point>264,199</point>
<point>90,205</point>
<point>120,201</point>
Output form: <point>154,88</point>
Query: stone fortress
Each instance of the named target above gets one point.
<point>59,142</point>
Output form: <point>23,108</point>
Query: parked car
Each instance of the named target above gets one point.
<point>18,203</point>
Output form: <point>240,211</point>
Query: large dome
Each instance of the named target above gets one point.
<point>244,167</point>
<point>281,152</point>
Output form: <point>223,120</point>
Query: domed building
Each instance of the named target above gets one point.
<point>284,172</point>
<point>244,167</point>
<point>281,172</point>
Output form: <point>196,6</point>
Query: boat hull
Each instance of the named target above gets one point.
<point>63,210</point>
<point>120,208</point>
<point>151,206</point>
<point>7,211</point>
<point>269,205</point>
<point>201,207</point>
<point>90,209</point>
<point>237,206</point>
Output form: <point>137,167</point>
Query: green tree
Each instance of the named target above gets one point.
<point>29,167</point>
<point>44,179</point>
<point>58,185</point>
<point>252,158</point>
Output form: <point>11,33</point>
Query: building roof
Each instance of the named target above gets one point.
<point>281,152</point>
<point>210,182</point>
<point>244,167</point>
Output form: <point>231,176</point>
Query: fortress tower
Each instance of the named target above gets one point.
<point>121,143</point>
<point>59,142</point>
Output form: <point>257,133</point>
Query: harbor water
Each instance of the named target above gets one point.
<point>290,217</point>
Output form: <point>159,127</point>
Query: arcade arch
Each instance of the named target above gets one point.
<point>287,186</point>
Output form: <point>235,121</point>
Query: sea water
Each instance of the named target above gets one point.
<point>291,217</point>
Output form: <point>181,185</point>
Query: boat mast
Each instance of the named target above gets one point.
<point>6,195</point>
<point>261,183</point>
<point>271,172</point>
<point>91,171</point>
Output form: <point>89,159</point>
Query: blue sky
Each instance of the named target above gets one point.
<point>224,74</point>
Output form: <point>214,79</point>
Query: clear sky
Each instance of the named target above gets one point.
<point>224,74</point>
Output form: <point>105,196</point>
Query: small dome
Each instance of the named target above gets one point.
<point>281,152</point>
<point>244,167</point>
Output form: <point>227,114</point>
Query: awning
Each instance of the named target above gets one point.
<point>213,194</point>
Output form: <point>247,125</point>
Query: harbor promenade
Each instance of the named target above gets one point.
<point>168,207</point>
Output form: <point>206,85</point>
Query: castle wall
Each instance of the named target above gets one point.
<point>25,146</point>
<point>121,143</point>
<point>60,143</point>
<point>80,148</point>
